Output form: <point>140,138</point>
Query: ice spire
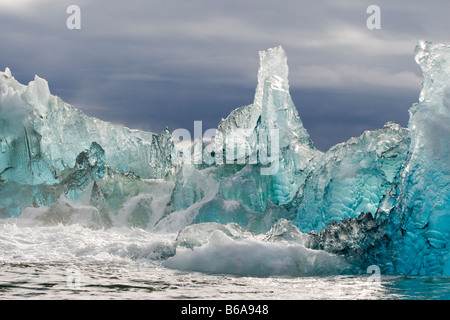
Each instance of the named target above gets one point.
<point>274,115</point>
<point>422,209</point>
<point>274,71</point>
<point>7,72</point>
<point>272,107</point>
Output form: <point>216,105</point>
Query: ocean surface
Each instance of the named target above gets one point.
<point>78,263</point>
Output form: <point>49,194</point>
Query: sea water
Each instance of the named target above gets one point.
<point>78,263</point>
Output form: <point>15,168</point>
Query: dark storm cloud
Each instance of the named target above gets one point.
<point>148,64</point>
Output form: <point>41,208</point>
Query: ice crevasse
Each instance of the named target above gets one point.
<point>381,198</point>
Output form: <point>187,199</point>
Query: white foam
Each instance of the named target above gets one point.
<point>29,240</point>
<point>25,241</point>
<point>253,257</point>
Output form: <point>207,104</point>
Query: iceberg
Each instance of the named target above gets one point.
<point>252,126</point>
<point>409,231</point>
<point>416,212</point>
<point>224,253</point>
<point>42,138</point>
<point>256,194</point>
<point>351,178</point>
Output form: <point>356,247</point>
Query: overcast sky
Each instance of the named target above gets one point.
<point>149,64</point>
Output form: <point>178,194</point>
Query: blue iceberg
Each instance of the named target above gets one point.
<point>382,198</point>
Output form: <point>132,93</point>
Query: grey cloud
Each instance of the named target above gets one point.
<point>148,64</point>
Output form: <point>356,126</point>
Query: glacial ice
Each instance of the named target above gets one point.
<point>272,109</point>
<point>197,235</point>
<point>263,201</point>
<point>352,177</point>
<point>417,210</point>
<point>225,254</point>
<point>41,138</point>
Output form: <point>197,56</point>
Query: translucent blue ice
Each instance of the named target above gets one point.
<point>417,210</point>
<point>381,198</point>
